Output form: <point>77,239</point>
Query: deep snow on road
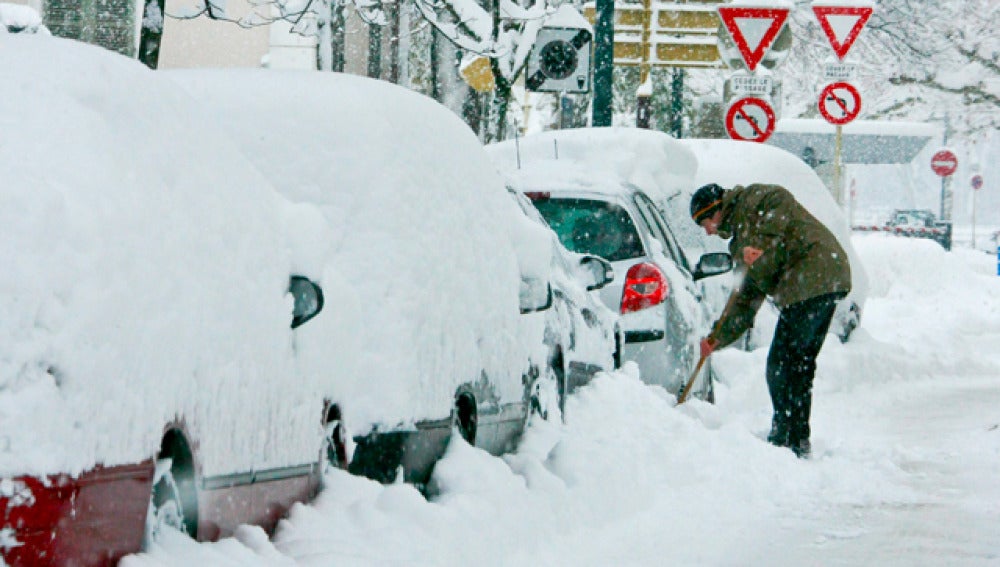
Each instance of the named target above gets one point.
<point>906,438</point>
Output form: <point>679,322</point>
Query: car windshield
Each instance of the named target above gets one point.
<point>590,226</point>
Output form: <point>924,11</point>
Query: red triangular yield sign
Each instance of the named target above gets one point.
<point>842,24</point>
<point>753,30</point>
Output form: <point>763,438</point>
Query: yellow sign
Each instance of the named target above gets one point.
<point>479,74</point>
<point>678,34</point>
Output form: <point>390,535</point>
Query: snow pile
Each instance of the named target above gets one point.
<point>903,469</point>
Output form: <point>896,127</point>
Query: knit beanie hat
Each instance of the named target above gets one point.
<point>705,201</point>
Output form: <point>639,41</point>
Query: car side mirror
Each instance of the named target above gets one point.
<point>600,271</point>
<point>535,295</point>
<point>308,299</point>
<point>713,264</point>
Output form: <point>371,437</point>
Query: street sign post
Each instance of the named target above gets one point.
<point>750,119</point>
<point>842,24</point>
<point>839,103</point>
<point>753,29</point>
<point>944,163</point>
<point>976,181</point>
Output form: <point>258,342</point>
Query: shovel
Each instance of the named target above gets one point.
<point>701,361</point>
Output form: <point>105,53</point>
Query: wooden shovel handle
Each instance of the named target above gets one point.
<point>701,361</point>
<point>687,387</point>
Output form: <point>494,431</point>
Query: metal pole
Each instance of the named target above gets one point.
<point>853,197</point>
<point>677,103</point>
<point>604,41</point>
<point>974,218</point>
<point>838,191</point>
<point>644,94</point>
<point>941,216</point>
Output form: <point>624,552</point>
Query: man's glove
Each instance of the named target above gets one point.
<point>708,345</point>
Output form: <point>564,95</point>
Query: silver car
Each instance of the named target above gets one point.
<point>654,287</point>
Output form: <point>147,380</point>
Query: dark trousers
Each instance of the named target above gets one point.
<point>791,365</point>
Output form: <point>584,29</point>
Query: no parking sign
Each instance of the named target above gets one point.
<point>750,119</point>
<point>840,103</point>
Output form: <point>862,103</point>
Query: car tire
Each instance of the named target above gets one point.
<point>547,394</point>
<point>172,501</point>
<point>335,454</point>
<point>166,509</point>
<point>466,419</point>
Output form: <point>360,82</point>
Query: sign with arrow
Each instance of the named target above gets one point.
<point>753,29</point>
<point>839,103</point>
<point>750,119</point>
<point>842,25</point>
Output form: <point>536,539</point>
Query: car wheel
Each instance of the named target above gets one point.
<point>559,369</point>
<point>172,501</point>
<point>335,440</point>
<point>466,418</point>
<point>546,394</point>
<point>166,509</point>
<point>617,356</point>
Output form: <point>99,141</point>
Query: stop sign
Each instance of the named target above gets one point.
<point>944,163</point>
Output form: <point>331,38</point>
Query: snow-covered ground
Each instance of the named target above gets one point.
<point>906,437</point>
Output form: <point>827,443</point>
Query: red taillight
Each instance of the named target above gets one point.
<point>645,287</point>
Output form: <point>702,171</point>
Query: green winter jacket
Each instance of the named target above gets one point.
<point>802,259</point>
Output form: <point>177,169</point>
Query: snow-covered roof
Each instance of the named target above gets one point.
<point>862,141</point>
<point>648,159</point>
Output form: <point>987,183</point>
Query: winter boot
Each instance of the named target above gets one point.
<point>779,433</point>
<point>802,448</point>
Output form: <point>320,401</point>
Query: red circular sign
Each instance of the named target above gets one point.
<point>750,119</point>
<point>977,182</point>
<point>944,163</point>
<point>839,103</point>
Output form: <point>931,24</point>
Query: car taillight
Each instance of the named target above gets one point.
<point>645,287</point>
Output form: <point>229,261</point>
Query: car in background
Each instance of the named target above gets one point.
<point>599,208</point>
<point>912,218</point>
<point>583,336</point>
<point>917,223</point>
<point>730,163</point>
<point>184,347</point>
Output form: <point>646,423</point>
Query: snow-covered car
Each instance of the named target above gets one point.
<point>730,163</point>
<point>582,334</point>
<point>411,219</point>
<point>590,185</point>
<point>18,18</point>
<point>150,374</point>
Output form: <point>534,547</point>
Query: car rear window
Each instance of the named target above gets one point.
<point>590,226</point>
